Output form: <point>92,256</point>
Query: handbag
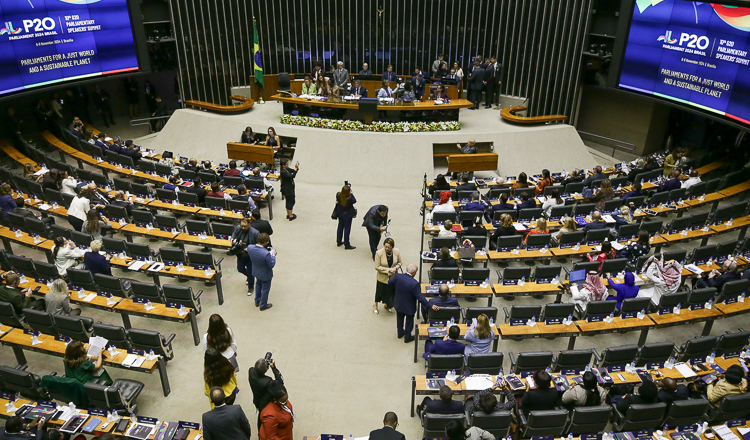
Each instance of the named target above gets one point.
<point>335,214</point>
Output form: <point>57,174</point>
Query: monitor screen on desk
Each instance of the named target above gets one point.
<point>576,276</point>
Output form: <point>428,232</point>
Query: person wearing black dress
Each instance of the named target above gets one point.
<point>287,187</point>
<point>505,229</point>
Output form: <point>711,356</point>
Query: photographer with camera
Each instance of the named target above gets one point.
<point>261,384</point>
<point>344,212</point>
<point>243,236</point>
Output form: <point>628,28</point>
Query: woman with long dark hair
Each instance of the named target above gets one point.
<point>95,225</point>
<point>586,393</point>
<point>219,372</point>
<point>272,139</point>
<point>521,182</point>
<point>345,212</point>
<point>220,337</point>
<point>78,365</point>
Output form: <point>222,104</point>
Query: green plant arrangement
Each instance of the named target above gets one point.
<point>378,127</point>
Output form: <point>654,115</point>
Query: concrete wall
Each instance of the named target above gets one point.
<point>625,117</point>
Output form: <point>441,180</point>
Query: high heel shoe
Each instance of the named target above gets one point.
<point>375,309</point>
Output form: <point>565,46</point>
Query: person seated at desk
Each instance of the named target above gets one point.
<point>670,391</point>
<point>205,167</point>
<point>521,182</point>
<point>419,85</point>
<point>255,175</point>
<point>22,211</point>
<point>464,183</point>
<point>192,165</point>
<point>597,175</point>
<point>19,298</point>
<point>440,184</point>
<point>445,204</point>
<point>479,335</point>
<point>408,93</point>
<point>448,345</point>
<point>647,393</point>
<point>624,217</point>
<point>606,253</point>
<point>442,300</point>
<point>486,401</point>
<point>96,262</point>
<point>544,182</point>
<point>34,430</point>
<point>198,190</point>
<point>132,151</point>
<point>172,184</point>
<point>641,247</point>
<point>693,179</point>
<point>444,259</point>
<point>447,230</point>
<point>388,431</point>
<point>673,183</point>
<point>552,201</point>
<point>272,139</point>
<point>334,92</point>
<point>385,90</point>
<point>591,290</point>
<point>57,300</point>
<point>502,205</point>
<point>357,90</point>
<point>504,230</point>
<point>626,290</point>
<point>539,228</point>
<point>122,202</point>
<point>731,383</point>
<point>389,75</point>
<point>475,228</point>
<point>574,177</point>
<point>596,222</point>
<point>308,88</point>
<point>439,93</point>
<point>248,137</point>
<point>232,171</point>
<point>321,84</point>
<point>717,278</point>
<point>469,148</point>
<point>365,69</point>
<point>215,190</point>
<point>586,393</point>
<point>666,278</point>
<point>604,194</point>
<point>453,75</point>
<point>543,397</point>
<point>444,405</point>
<point>78,365</point>
<point>636,191</point>
<point>442,71</point>
<point>66,255</point>
<point>526,201</point>
<point>569,225</point>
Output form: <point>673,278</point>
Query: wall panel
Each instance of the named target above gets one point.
<point>538,41</point>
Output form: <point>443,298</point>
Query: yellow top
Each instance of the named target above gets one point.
<point>229,388</point>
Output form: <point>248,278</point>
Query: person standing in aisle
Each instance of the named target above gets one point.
<point>287,187</point>
<point>376,222</point>
<point>345,212</point>
<point>263,262</point>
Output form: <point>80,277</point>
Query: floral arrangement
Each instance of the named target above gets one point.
<point>379,127</point>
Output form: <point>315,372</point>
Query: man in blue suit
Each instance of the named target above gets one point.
<point>448,345</point>
<point>358,90</point>
<point>673,183</point>
<point>443,300</point>
<point>389,74</point>
<point>263,262</point>
<point>526,201</point>
<point>419,85</point>
<point>408,292</point>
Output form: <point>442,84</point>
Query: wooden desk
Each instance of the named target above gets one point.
<point>688,316</point>
<point>421,333</point>
<point>212,242</point>
<point>733,309</point>
<point>250,153</point>
<point>461,290</point>
<point>570,252</point>
<point>618,325</point>
<point>472,162</point>
<point>8,236</point>
<point>20,341</point>
<point>530,288</point>
<point>736,189</point>
<point>540,330</point>
<point>247,103</point>
<point>419,386</point>
<point>522,254</point>
<point>739,223</point>
<point>509,114</point>
<point>712,167</point>
<point>691,235</point>
<point>708,198</point>
<point>127,307</point>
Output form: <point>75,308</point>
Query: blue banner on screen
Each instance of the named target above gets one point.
<point>44,42</point>
<point>695,53</point>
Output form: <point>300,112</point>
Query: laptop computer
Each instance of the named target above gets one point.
<point>577,276</point>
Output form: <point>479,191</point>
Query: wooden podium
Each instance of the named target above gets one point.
<point>250,153</point>
<point>472,162</point>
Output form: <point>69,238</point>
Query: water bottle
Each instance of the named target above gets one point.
<point>81,292</point>
<point>112,417</point>
<point>632,366</point>
<point>523,281</point>
<point>678,308</point>
<point>454,372</point>
<point>151,354</point>
<point>741,298</point>
<point>492,321</point>
<point>453,283</point>
<point>570,319</point>
<point>453,321</point>
<point>588,367</point>
<point>670,363</point>
<point>533,319</point>
<point>133,419</point>
<point>710,303</point>
<point>711,357</point>
<point>570,436</point>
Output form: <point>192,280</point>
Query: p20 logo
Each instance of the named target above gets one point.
<point>38,24</point>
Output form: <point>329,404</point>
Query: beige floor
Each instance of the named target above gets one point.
<point>342,364</point>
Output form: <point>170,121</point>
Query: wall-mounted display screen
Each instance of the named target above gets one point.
<point>694,53</point>
<point>44,42</point>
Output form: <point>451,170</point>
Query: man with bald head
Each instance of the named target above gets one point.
<point>671,391</point>
<point>408,292</point>
<point>388,431</point>
<point>443,299</point>
<point>717,278</point>
<point>224,422</point>
<point>469,148</point>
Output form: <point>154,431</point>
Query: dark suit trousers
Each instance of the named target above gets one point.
<point>489,93</point>
<point>404,331</point>
<point>475,96</point>
<point>374,241</point>
<point>245,267</point>
<point>344,229</point>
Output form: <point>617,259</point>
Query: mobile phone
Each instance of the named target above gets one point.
<point>36,289</point>
<point>122,425</point>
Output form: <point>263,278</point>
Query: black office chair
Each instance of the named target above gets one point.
<point>732,289</point>
<point>445,314</point>
<point>584,209</point>
<point>559,212</point>
<point>22,265</point>
<point>687,412</point>
<point>542,423</point>
<point>699,347</point>
<point>538,241</point>
<point>434,424</point>
<point>474,312</point>
<point>81,279</point>
<point>121,184</point>
<point>120,396</point>
<point>148,291</point>
<point>547,272</point>
<point>40,321</point>
<point>78,328</point>
<point>438,243</point>
<point>485,363</point>
<point>285,83</point>
<point>558,311</point>
<point>701,254</point>
<point>530,361</point>
<point>529,214</point>
<point>596,236</point>
<point>119,287</point>
<point>523,312</point>
<point>731,342</point>
<point>8,315</point>
<point>509,242</point>
<point>442,363</point>
<point>574,359</point>
<point>183,295</point>
<point>45,272</point>
<point>444,274</point>
<point>627,232</point>
<point>216,203</point>
<point>18,381</point>
<point>635,305</point>
<point>165,195</point>
<point>223,231</point>
<point>575,187</point>
<point>671,300</point>
<point>655,352</point>
<point>621,355</point>
<point>585,420</point>
<point>114,334</point>
<point>113,245</point>
<point>588,266</point>
<point>702,296</point>
<point>731,407</point>
<point>188,199</point>
<point>496,423</point>
<point>152,340</point>
<point>570,239</point>
<point>639,416</point>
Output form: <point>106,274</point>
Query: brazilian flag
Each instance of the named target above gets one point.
<point>258,64</point>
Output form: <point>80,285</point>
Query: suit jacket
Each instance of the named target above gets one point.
<point>123,204</point>
<point>489,73</point>
<point>595,225</point>
<point>447,347</point>
<point>408,292</point>
<point>531,203</point>
<point>262,226</point>
<point>226,422</point>
<point>437,406</point>
<point>669,185</point>
<point>361,91</point>
<point>373,221</point>
<point>260,384</point>
<point>381,263</point>
<point>287,179</point>
<point>263,262</point>
<point>468,186</point>
<point>15,297</point>
<point>440,302</point>
<point>97,263</point>
<point>199,191</point>
<point>386,433</point>
<point>475,79</point>
<point>390,76</point>
<point>365,72</point>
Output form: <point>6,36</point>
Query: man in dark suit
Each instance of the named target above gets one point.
<point>121,202</point>
<point>673,183</point>
<point>408,292</point>
<point>263,262</point>
<point>489,84</point>
<point>14,425</point>
<point>198,190</point>
<point>21,298</point>
<point>502,205</point>
<point>376,222</point>
<point>596,222</point>
<point>526,202</point>
<point>99,142</point>
<point>670,391</point>
<point>224,422</point>
<point>598,175</point>
<point>475,85</point>
<point>444,405</point>
<point>448,345</point>
<point>261,384</point>
<point>258,223</point>
<point>444,299</point>
<point>132,151</point>
<point>464,184</point>
<point>103,105</point>
<point>389,74</point>
<point>358,90</point>
<point>717,278</point>
<point>419,85</point>
<point>388,431</point>
<point>365,69</point>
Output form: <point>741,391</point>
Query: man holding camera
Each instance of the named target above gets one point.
<point>243,236</point>
<point>261,384</point>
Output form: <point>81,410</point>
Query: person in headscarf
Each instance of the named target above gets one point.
<point>666,277</point>
<point>625,290</point>
<point>592,290</point>
<point>445,204</point>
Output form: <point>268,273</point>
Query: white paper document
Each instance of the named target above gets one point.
<point>96,345</point>
<point>519,227</point>
<point>90,297</point>
<point>133,360</point>
<point>478,382</point>
<point>685,370</point>
<point>137,265</point>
